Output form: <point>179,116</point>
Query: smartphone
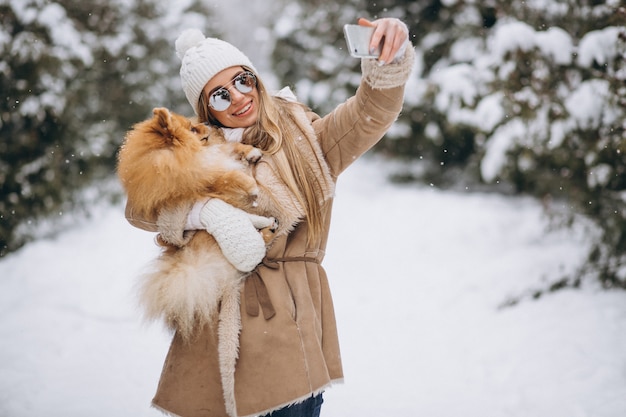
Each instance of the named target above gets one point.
<point>358,39</point>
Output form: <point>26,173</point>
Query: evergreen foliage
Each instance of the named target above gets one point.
<point>526,95</point>
<point>74,76</point>
<point>529,95</point>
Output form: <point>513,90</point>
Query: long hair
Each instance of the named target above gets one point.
<point>268,134</point>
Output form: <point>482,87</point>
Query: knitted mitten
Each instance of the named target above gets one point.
<point>392,75</point>
<point>236,233</point>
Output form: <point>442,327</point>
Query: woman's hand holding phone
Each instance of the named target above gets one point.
<point>387,39</point>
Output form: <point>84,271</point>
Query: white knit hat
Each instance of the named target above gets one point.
<point>202,59</point>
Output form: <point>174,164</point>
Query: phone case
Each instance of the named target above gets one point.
<point>358,40</point>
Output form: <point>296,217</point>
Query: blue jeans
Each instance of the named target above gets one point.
<point>307,408</point>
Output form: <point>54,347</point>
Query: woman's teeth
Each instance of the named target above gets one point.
<point>245,109</point>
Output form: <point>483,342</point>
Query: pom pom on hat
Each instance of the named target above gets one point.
<point>188,39</point>
<point>202,58</point>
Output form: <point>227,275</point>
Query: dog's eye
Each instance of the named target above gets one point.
<point>194,130</point>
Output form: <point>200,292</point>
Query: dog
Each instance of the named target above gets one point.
<point>168,161</point>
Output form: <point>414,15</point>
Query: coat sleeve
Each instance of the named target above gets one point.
<point>170,223</point>
<point>149,225</point>
<point>358,124</point>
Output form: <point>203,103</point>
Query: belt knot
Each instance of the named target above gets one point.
<point>255,291</point>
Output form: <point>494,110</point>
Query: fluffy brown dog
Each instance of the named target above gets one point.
<point>168,161</point>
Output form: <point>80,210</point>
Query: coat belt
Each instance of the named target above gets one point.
<point>255,291</point>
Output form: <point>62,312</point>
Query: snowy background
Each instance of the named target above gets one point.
<point>418,277</point>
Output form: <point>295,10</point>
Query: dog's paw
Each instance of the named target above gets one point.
<point>274,226</point>
<point>254,155</point>
<point>269,231</point>
<point>254,197</point>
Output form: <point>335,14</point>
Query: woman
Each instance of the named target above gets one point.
<point>287,351</point>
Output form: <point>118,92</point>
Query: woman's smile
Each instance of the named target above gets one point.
<point>245,110</point>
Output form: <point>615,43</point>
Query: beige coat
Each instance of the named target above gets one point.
<point>279,351</point>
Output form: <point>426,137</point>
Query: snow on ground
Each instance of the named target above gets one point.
<point>418,276</point>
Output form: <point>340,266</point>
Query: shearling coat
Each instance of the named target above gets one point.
<point>282,350</point>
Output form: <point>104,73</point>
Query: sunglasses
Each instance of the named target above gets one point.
<point>220,99</point>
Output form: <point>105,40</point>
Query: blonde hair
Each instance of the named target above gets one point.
<point>269,135</point>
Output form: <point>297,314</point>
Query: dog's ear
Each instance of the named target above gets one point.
<point>164,121</point>
<point>163,116</point>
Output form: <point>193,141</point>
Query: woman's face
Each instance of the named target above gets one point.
<point>244,107</point>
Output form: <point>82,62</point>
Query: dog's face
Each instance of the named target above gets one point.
<point>167,159</point>
<point>171,130</point>
<point>161,151</point>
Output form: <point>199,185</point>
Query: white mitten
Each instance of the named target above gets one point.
<point>235,232</point>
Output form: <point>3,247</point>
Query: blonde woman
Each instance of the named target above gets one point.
<point>284,350</point>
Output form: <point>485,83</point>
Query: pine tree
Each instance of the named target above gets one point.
<point>525,96</point>
<point>75,75</point>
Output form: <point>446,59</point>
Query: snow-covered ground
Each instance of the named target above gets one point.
<point>418,277</point>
